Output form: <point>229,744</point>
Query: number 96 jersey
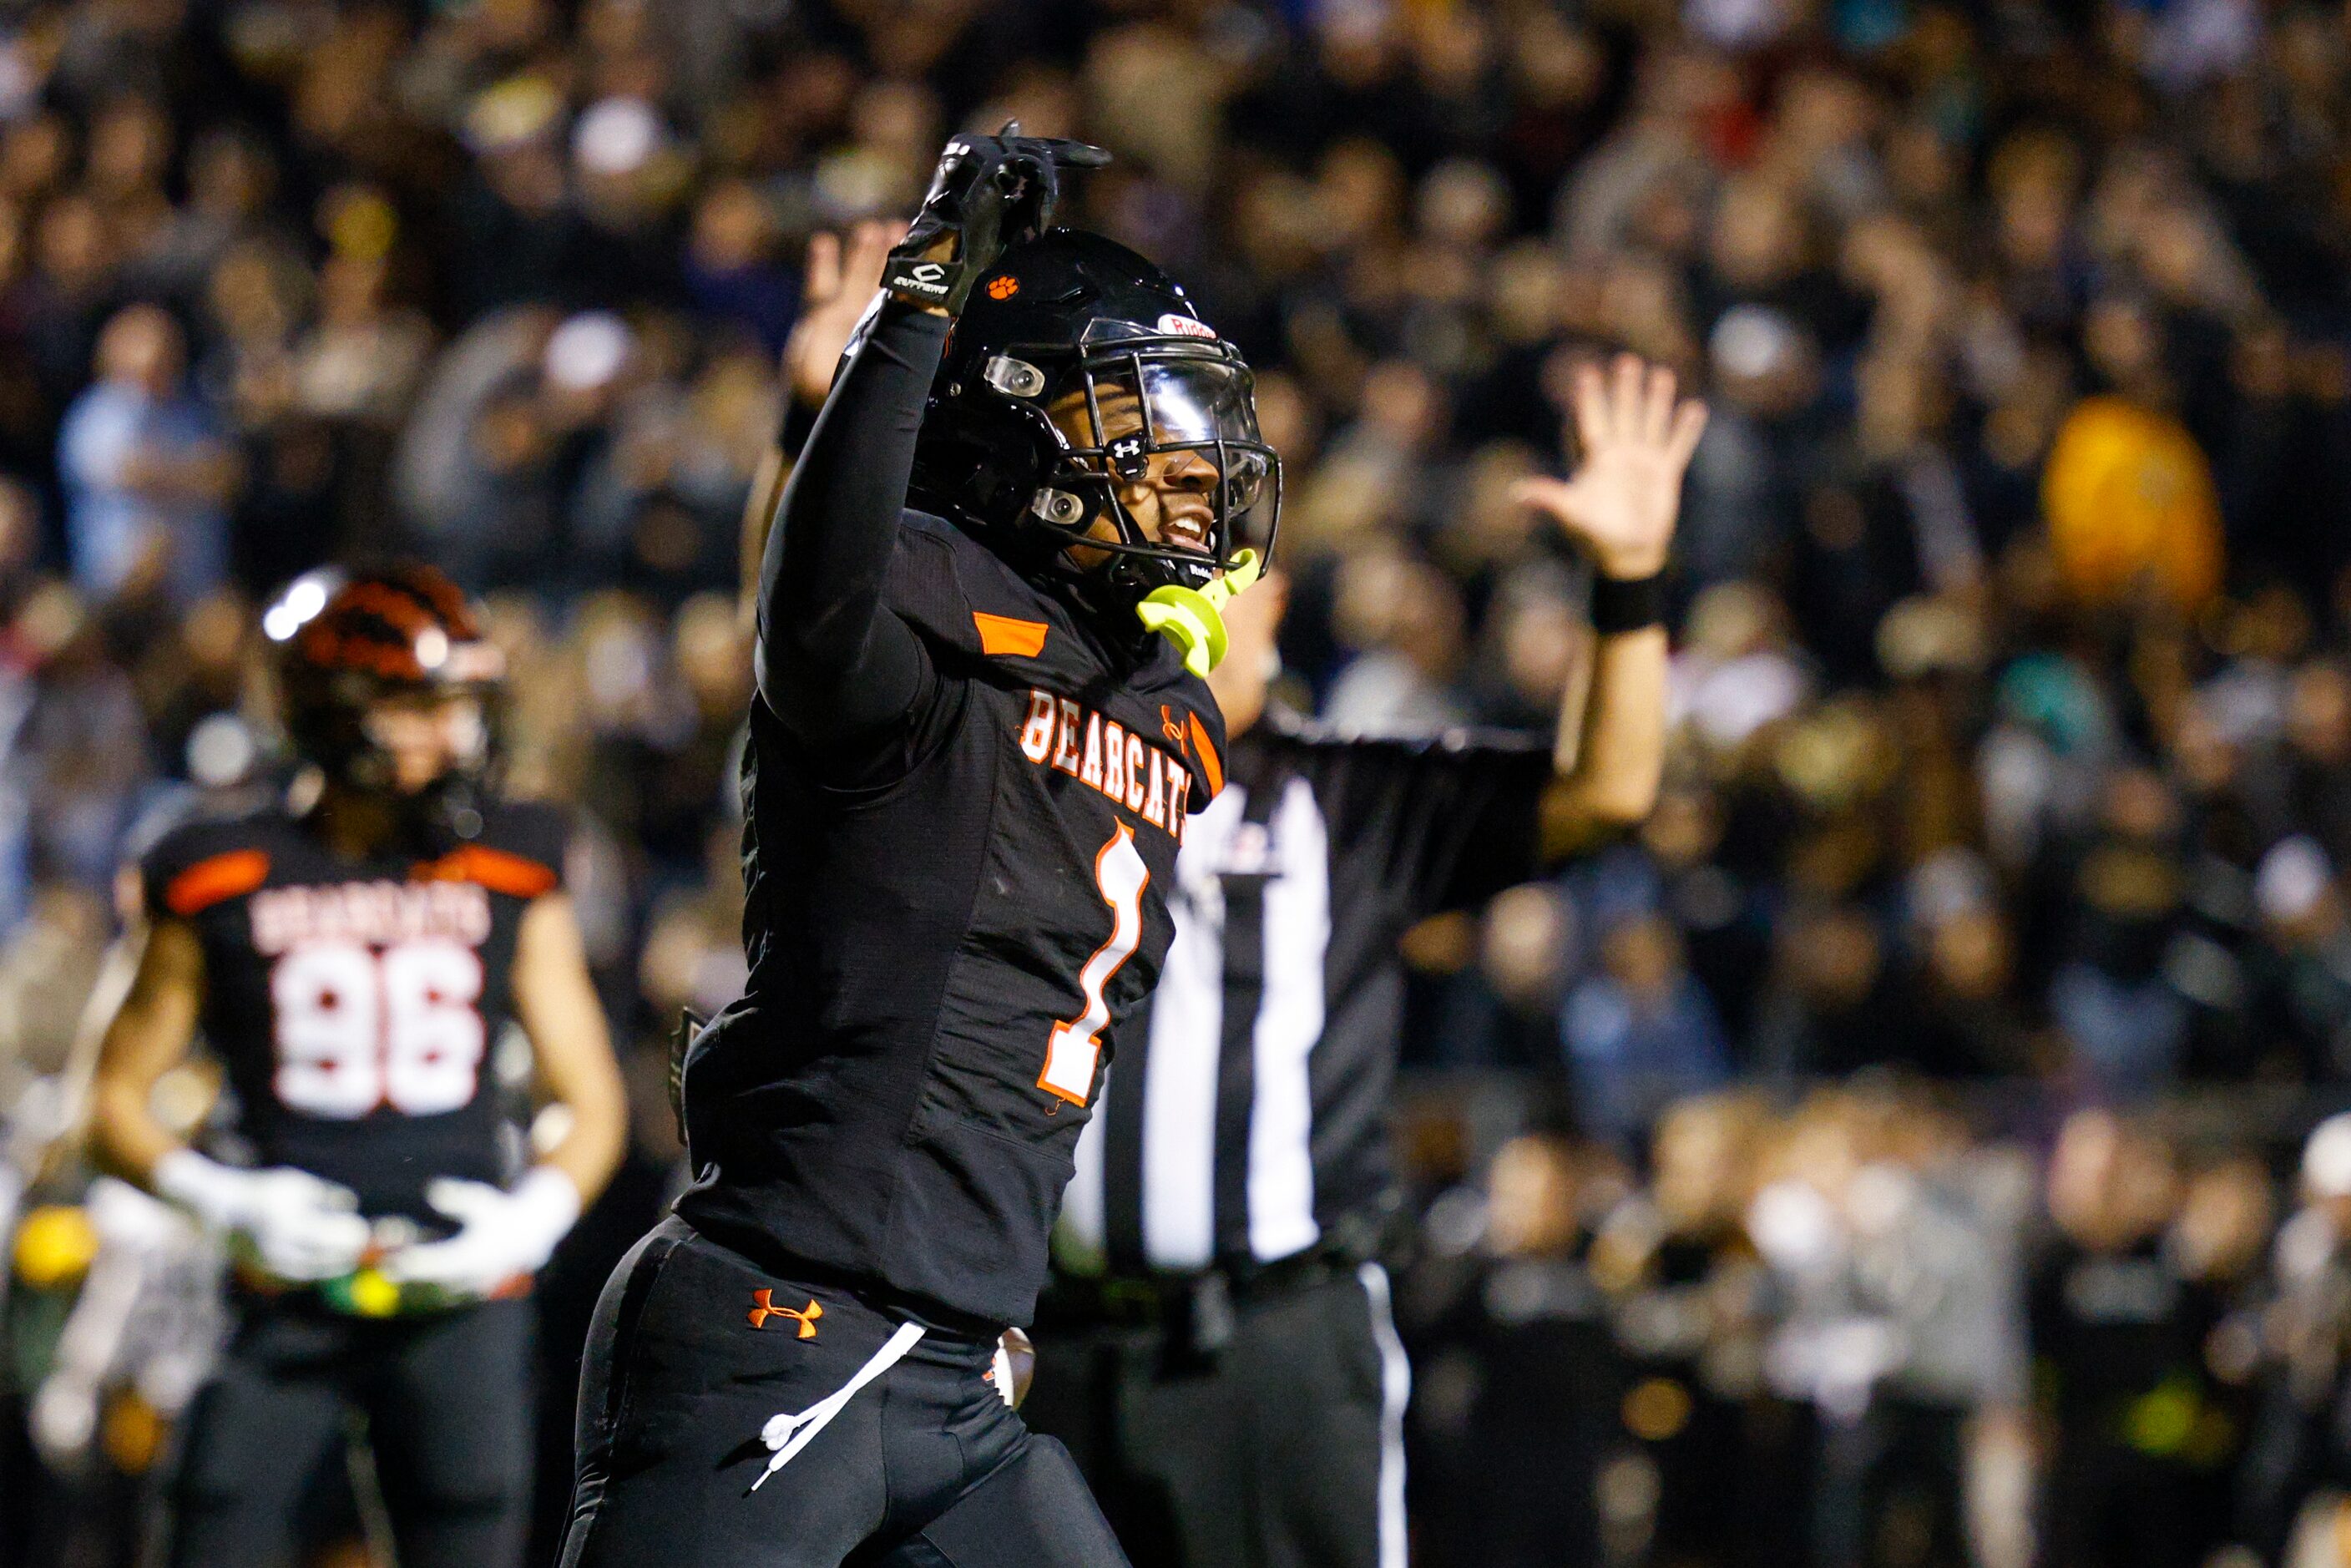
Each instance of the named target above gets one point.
<point>352,1003</point>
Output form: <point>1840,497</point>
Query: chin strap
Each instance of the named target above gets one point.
<point>1192,619</point>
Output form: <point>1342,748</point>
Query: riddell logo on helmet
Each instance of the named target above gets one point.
<point>1185,326</point>
<point>1003,287</point>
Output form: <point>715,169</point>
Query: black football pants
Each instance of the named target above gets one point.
<point>1281,1449</point>
<point>447,1401</point>
<point>733,1418</point>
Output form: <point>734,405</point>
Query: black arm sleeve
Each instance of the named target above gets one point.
<point>1454,818</point>
<point>834,665</point>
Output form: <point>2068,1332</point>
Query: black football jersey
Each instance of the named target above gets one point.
<point>353,1003</point>
<point>939,964</point>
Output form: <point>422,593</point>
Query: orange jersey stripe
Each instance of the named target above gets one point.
<point>1210,763</point>
<point>516,876</point>
<point>1005,634</point>
<point>213,879</point>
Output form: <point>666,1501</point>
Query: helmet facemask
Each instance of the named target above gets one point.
<point>1172,413</point>
<point>1076,373</point>
<point>454,722</point>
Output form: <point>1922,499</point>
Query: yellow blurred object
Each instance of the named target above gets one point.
<point>2161,1421</point>
<point>2130,501</point>
<point>54,1246</point>
<point>368,1294</point>
<point>361,224</point>
<point>519,109</point>
<point>1656,1409</point>
<point>131,1432</point>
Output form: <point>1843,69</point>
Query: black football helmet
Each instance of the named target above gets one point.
<point>1067,313</point>
<point>345,642</point>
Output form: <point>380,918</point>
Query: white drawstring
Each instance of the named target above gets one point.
<point>788,1435</point>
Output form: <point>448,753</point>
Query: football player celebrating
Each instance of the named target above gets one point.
<point>971,760</point>
<point>351,956</point>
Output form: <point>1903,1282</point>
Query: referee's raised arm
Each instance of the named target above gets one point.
<point>842,275</point>
<point>1621,503</point>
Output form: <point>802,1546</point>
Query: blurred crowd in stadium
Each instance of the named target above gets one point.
<point>2012,759</point>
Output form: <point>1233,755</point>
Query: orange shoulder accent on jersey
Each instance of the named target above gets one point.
<point>213,879</point>
<point>1210,763</point>
<point>500,871</point>
<point>1006,634</point>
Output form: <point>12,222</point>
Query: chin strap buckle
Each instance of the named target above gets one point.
<point>1192,619</point>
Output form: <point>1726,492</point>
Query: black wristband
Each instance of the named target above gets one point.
<point>1627,604</point>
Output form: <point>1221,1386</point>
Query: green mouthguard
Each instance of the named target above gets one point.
<point>1192,618</point>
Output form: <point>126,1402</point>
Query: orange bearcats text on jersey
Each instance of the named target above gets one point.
<point>1106,754</point>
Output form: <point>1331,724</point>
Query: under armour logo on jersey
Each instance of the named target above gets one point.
<point>765,1308</point>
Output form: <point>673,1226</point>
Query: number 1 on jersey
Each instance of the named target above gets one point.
<point>1073,1048</point>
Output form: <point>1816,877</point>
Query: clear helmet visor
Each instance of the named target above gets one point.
<point>1191,401</point>
<point>1203,407</point>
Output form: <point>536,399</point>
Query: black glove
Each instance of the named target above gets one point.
<point>990,192</point>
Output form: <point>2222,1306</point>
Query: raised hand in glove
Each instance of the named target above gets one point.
<point>295,1225</point>
<point>990,192</point>
<point>502,1236</point>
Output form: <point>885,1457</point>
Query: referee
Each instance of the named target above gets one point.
<point>1218,1353</point>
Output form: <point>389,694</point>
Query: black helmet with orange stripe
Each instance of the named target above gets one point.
<point>352,646</point>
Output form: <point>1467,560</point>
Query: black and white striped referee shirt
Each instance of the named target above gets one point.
<point>1244,1117</point>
